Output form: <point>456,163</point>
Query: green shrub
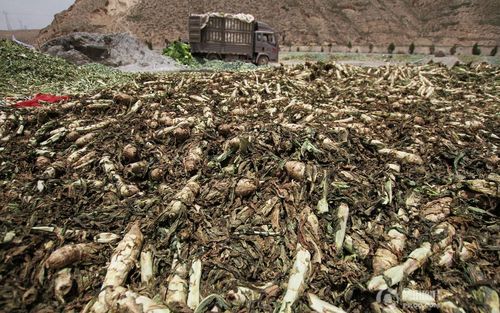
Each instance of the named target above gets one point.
<point>494,51</point>
<point>391,48</point>
<point>476,50</point>
<point>411,48</point>
<point>181,52</point>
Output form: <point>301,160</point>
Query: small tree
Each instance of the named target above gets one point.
<point>494,51</point>
<point>411,49</point>
<point>432,49</point>
<point>476,50</point>
<point>349,45</point>
<point>453,50</point>
<point>370,48</point>
<point>391,48</point>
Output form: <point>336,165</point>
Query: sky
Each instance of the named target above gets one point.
<point>30,13</point>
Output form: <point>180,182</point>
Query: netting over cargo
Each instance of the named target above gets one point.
<point>206,18</point>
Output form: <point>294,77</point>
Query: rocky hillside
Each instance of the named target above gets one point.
<point>442,22</point>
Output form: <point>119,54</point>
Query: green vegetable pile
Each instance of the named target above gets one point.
<point>217,65</point>
<point>27,72</point>
<point>181,52</point>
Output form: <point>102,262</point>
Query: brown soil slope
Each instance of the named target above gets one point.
<point>441,22</point>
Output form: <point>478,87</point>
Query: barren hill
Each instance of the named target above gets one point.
<point>443,22</point>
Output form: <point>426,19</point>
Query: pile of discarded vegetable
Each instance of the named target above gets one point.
<point>323,188</point>
<point>26,71</point>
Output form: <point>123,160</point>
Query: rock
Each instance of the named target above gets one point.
<point>117,50</point>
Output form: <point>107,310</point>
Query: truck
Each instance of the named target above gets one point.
<point>232,37</point>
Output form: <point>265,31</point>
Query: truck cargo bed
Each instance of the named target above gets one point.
<point>221,35</point>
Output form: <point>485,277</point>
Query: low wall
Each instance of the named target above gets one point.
<point>460,50</point>
<point>27,36</point>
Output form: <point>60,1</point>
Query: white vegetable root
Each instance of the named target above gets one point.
<point>295,170</point>
<point>385,258</point>
<point>147,271</point>
<point>484,187</point>
<point>106,238</point>
<point>124,257</point>
<point>177,292</point>
<point>182,199</point>
<point>193,159</point>
<point>245,187</point>
<point>320,306</point>
<point>405,157</point>
<point>193,299</point>
<point>110,169</point>
<point>323,202</point>
<point>437,210</point>
<point>356,244</point>
<point>395,274</point>
<point>70,254</point>
<point>297,280</point>
<point>342,217</point>
<point>119,299</point>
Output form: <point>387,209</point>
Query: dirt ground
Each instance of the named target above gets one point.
<point>377,60</point>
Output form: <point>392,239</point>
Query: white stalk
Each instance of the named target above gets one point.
<point>177,287</point>
<point>417,297</point>
<point>182,199</point>
<point>193,299</point>
<point>124,258</point>
<point>395,274</point>
<point>297,280</point>
<point>119,299</point>
<point>320,306</point>
<point>342,216</point>
<point>405,157</point>
<point>146,266</point>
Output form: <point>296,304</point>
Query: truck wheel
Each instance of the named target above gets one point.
<point>213,56</point>
<point>263,60</point>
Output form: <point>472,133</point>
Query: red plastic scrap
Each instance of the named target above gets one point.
<point>35,102</point>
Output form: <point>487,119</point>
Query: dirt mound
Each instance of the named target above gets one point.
<point>117,50</point>
<point>423,22</point>
<point>257,192</point>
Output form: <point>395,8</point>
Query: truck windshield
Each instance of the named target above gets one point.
<point>269,38</point>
